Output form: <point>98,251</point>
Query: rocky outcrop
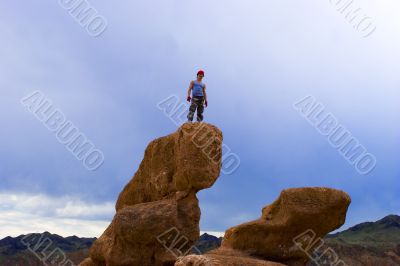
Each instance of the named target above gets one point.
<point>295,216</point>
<point>157,213</point>
<point>288,231</point>
<point>224,257</point>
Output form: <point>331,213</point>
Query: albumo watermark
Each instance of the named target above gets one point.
<point>45,250</point>
<point>178,245</point>
<point>354,15</point>
<point>66,132</point>
<point>176,110</point>
<point>86,15</point>
<point>316,250</point>
<point>338,136</point>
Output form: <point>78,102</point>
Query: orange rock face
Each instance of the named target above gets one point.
<point>299,216</point>
<point>224,257</point>
<point>288,232</point>
<point>158,215</point>
<point>189,159</point>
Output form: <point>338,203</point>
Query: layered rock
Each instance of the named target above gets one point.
<point>157,213</point>
<point>288,231</point>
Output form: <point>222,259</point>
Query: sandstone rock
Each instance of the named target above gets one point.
<point>224,257</point>
<point>158,214</point>
<point>297,215</point>
<point>87,262</point>
<point>189,159</point>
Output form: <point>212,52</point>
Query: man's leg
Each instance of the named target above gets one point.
<point>192,109</point>
<point>200,109</point>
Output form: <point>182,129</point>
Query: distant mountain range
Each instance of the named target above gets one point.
<point>366,244</point>
<point>15,250</point>
<point>208,242</point>
<point>371,243</point>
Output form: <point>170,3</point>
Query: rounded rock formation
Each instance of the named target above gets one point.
<point>298,213</point>
<point>158,215</point>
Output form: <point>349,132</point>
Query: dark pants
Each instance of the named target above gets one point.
<point>197,103</point>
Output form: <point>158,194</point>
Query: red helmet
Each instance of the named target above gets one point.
<point>200,72</point>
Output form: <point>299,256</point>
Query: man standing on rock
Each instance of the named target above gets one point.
<point>199,97</point>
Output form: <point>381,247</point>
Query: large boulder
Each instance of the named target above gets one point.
<point>297,216</point>
<point>157,213</point>
<point>189,159</point>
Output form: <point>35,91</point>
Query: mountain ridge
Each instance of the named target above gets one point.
<point>352,245</point>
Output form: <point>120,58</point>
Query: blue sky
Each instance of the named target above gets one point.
<point>259,57</point>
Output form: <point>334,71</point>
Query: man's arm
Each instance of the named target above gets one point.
<point>205,95</point>
<point>189,90</point>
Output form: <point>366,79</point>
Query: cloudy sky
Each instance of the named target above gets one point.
<point>259,57</point>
